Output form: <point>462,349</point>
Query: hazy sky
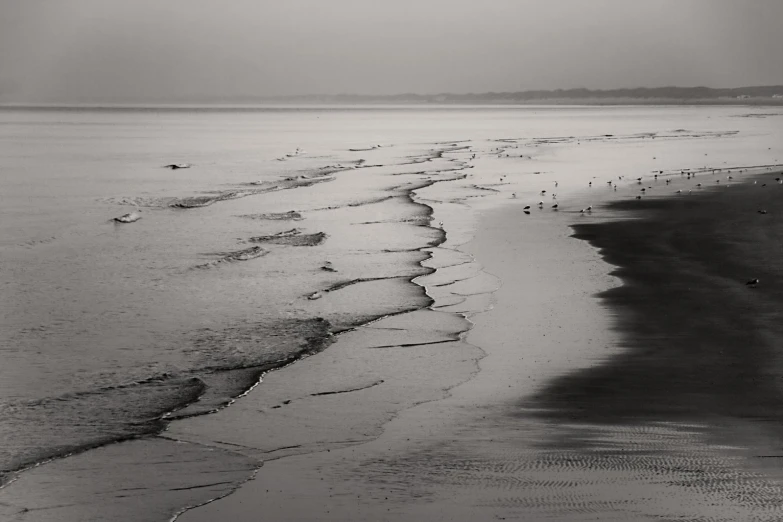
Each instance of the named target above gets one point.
<point>77,50</point>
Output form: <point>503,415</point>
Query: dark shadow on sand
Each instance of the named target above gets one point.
<point>698,342</point>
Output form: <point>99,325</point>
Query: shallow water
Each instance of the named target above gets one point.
<point>107,326</point>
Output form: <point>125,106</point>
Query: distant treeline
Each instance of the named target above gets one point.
<point>764,95</point>
<point>640,93</point>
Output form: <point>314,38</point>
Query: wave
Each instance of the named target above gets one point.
<point>293,237</point>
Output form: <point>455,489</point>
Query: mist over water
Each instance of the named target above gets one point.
<point>288,228</point>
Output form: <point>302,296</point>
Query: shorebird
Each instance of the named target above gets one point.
<point>638,197</point>
<point>752,283</point>
<point>554,206</point>
<point>644,190</point>
<point>513,194</point>
<point>129,218</point>
<point>175,166</point>
<point>543,192</point>
<point>762,211</point>
<point>527,207</point>
<point>540,204</point>
<point>590,208</point>
<point>679,192</point>
<point>590,184</point>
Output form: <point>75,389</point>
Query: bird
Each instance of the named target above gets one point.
<point>679,192</point>
<point>314,296</point>
<point>175,166</point>
<point>638,197</point>
<point>513,194</point>
<point>129,218</point>
<point>554,206</point>
<point>590,208</point>
<point>527,207</point>
<point>762,211</point>
<point>752,283</point>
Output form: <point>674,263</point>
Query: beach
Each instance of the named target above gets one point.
<point>386,332</point>
<point>601,420</point>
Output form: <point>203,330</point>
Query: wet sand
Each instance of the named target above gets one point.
<point>700,343</point>
<point>657,399</point>
<point>452,459</point>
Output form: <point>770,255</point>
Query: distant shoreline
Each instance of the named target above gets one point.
<point>657,102</point>
<point>754,96</point>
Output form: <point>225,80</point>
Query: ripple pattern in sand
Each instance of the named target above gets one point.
<point>656,471</point>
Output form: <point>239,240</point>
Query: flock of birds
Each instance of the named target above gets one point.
<point>644,190</point>
<point>686,173</point>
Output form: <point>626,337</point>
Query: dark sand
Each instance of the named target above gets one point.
<point>700,343</point>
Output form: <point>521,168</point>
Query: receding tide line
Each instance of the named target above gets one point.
<point>409,193</point>
<point>155,426</point>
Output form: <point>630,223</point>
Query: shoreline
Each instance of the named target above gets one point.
<point>415,429</point>
<point>695,330</point>
<point>132,448</point>
<point>353,393</point>
<point>409,104</point>
<point>456,457</point>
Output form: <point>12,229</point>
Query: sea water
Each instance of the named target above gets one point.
<point>290,226</point>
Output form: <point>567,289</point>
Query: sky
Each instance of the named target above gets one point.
<point>116,50</point>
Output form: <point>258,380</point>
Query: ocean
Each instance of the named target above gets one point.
<point>289,227</point>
